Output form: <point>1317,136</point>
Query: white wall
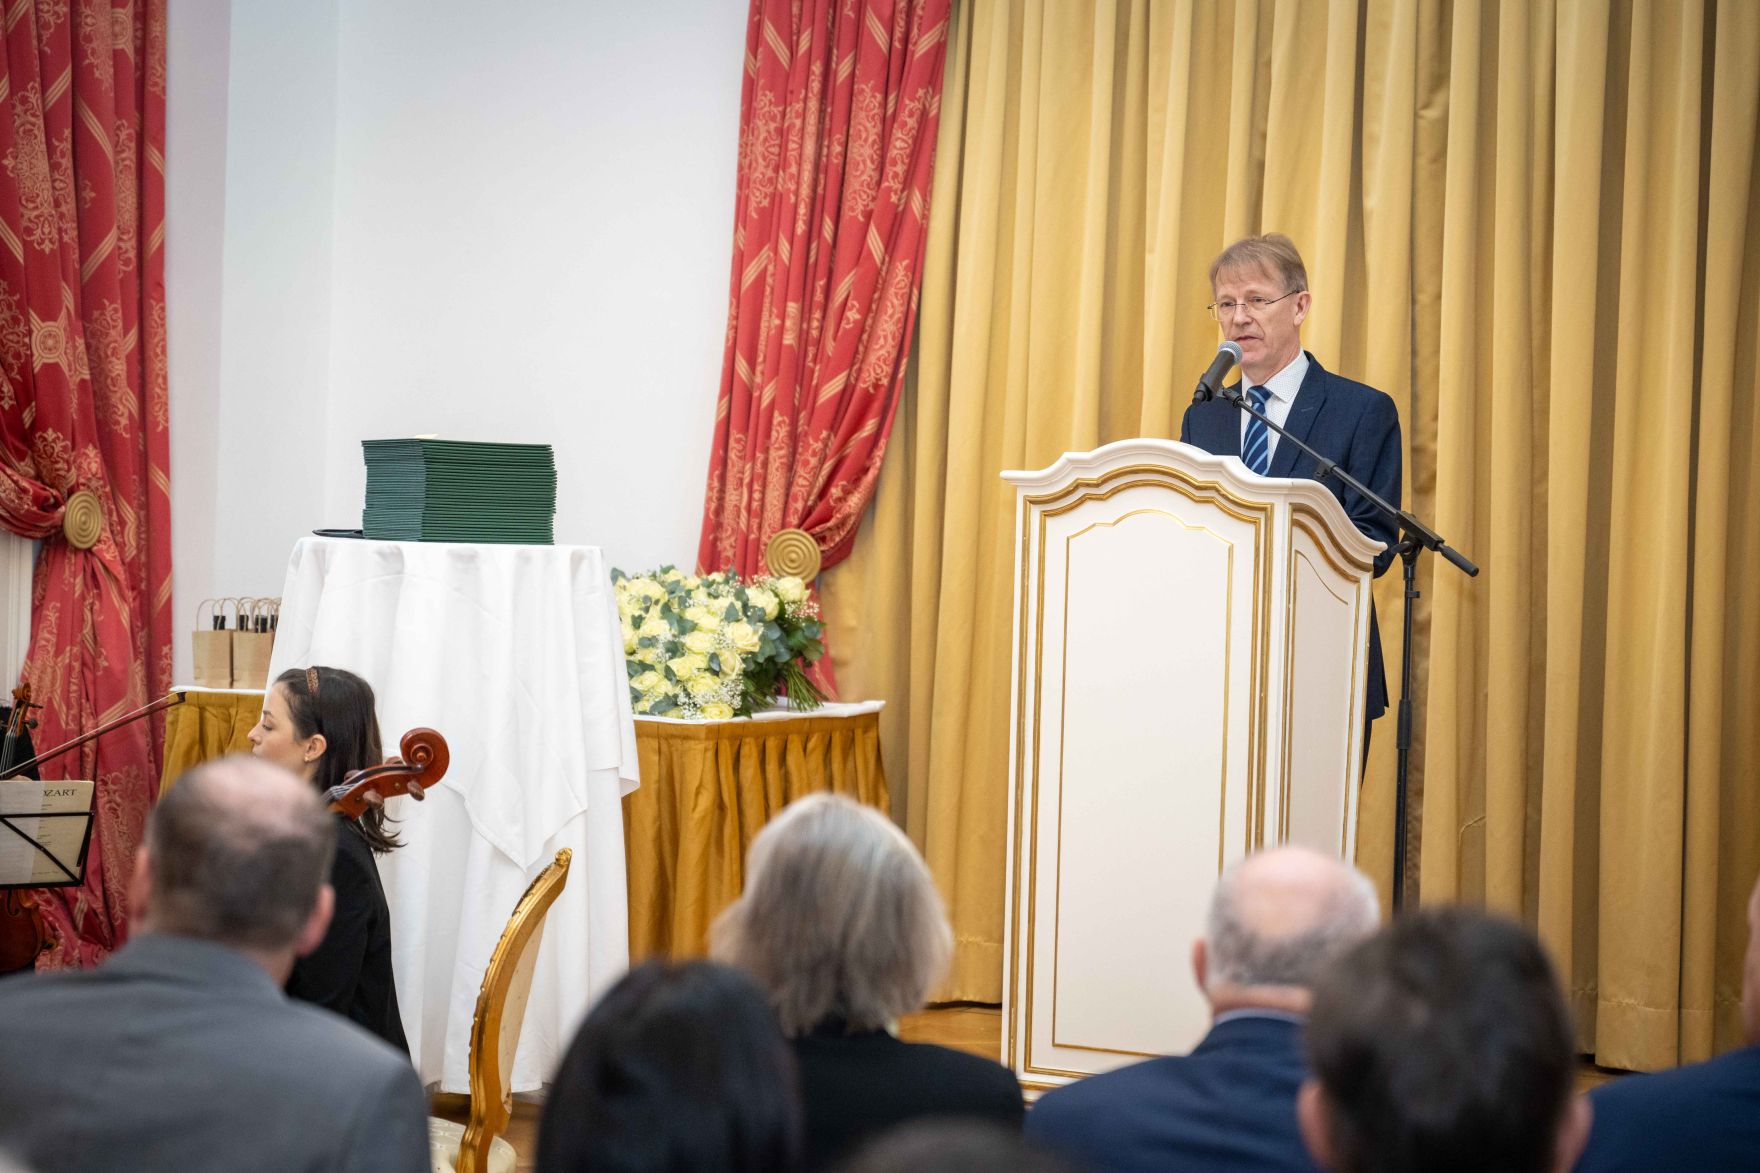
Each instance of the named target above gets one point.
<point>18,559</point>
<point>250,148</point>
<point>508,222</point>
<point>198,50</point>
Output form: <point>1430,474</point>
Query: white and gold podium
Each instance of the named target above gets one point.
<point>1189,657</point>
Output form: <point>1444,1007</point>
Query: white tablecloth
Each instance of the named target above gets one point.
<point>514,654</point>
<point>782,712</point>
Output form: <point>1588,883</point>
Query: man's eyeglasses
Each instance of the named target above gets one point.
<point>1223,310</point>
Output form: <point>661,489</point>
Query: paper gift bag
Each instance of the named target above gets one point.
<point>252,644</point>
<point>212,647</point>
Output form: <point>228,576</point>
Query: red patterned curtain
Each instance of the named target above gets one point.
<point>83,407</point>
<point>837,145</point>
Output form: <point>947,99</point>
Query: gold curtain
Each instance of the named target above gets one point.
<point>1532,224</point>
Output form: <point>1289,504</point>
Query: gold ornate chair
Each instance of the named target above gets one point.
<point>477,1147</point>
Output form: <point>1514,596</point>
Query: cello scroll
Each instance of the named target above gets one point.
<point>422,762</point>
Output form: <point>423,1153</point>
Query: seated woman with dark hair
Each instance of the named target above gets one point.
<point>321,724</point>
<point>842,927</point>
<point>678,1067</point>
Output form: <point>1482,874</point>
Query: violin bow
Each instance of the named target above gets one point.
<point>176,697</point>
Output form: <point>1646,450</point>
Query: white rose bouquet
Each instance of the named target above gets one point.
<point>711,646</point>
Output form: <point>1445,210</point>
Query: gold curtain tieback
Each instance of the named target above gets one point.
<point>793,551</point>
<point>82,522</point>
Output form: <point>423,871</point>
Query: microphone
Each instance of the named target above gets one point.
<point>1210,383</point>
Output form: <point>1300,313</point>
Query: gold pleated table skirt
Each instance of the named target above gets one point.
<point>209,724</point>
<point>706,790</point>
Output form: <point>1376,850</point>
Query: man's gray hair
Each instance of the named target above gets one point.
<point>839,919</point>
<point>1340,911</point>
<point>239,849</point>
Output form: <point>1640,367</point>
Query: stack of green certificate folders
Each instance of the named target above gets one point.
<point>459,491</point>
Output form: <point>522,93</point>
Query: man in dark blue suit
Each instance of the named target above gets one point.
<point>1442,1045</point>
<point>1705,1116</point>
<point>1262,298</point>
<point>1276,920</point>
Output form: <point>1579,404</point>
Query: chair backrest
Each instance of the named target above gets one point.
<point>501,1008</point>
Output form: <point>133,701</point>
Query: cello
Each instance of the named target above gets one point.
<point>422,761</point>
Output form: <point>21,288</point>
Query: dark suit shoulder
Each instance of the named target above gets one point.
<point>910,1071</point>
<point>1229,1104</point>
<point>1702,1116</point>
<point>855,1087</point>
<point>1243,1052</point>
<point>354,873</point>
<point>353,854</point>
<point>1738,1067</point>
<point>985,1078</point>
<point>1215,410</point>
<point>1107,1090</point>
<point>1365,399</point>
<point>1347,385</point>
<point>1213,426</point>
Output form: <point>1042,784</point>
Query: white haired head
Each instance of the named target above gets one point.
<point>839,918</point>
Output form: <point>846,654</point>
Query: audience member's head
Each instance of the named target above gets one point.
<point>677,1067</point>
<point>1277,920</point>
<point>238,852</point>
<point>1442,1043</point>
<point>839,921</point>
<point>323,724</point>
<point>951,1146</point>
<point>1751,971</point>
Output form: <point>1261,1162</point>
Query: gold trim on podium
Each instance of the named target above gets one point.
<point>1062,740</point>
<point>1306,522</point>
<point>1046,506</point>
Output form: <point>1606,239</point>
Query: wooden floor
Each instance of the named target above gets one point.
<point>977,1029</point>
<point>522,1131</point>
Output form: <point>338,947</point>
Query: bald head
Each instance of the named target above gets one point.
<point>237,852</point>
<point>1278,919</point>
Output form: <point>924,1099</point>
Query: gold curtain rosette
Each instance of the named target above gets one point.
<point>82,522</point>
<point>793,551</point>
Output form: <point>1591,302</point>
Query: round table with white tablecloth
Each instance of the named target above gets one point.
<point>514,654</point>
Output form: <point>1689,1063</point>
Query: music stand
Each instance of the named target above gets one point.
<point>45,830</point>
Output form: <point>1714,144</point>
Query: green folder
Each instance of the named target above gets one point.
<point>459,491</point>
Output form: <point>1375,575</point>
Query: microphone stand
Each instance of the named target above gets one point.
<point>1415,537</point>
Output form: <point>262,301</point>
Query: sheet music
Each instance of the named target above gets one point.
<point>23,807</point>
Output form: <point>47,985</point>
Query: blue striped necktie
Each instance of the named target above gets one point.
<point>1256,447</point>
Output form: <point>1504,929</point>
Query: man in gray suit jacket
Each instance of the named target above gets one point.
<point>181,1052</point>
